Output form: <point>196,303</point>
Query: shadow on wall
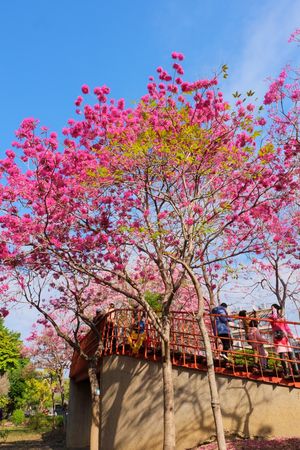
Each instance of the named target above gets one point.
<point>132,406</point>
<point>240,420</point>
<point>192,408</point>
<point>245,407</point>
<point>79,417</point>
<point>133,401</point>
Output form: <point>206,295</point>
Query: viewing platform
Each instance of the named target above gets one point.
<point>126,333</point>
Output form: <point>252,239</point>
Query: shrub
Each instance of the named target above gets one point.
<point>18,417</point>
<point>3,435</point>
<point>39,422</point>
<point>59,421</point>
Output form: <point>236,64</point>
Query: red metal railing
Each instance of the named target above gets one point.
<point>128,332</point>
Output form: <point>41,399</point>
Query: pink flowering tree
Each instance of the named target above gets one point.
<point>282,101</point>
<point>200,186</point>
<point>69,303</point>
<point>160,193</point>
<point>49,352</point>
<point>277,262</point>
<point>275,269</point>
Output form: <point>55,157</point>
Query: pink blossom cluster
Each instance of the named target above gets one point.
<point>179,176</point>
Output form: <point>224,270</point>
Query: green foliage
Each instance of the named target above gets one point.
<point>18,417</point>
<point>154,300</point>
<point>224,69</point>
<point>59,421</point>
<point>240,358</point>
<point>3,435</point>
<point>10,346</point>
<point>66,389</point>
<point>236,94</point>
<point>42,422</point>
<point>37,393</point>
<point>3,401</point>
<point>11,363</point>
<point>17,379</point>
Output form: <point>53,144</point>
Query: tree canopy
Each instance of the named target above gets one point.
<point>10,349</point>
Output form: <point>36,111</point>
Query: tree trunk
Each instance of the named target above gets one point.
<point>212,299</point>
<point>61,387</point>
<point>95,397</point>
<point>168,391</point>
<point>53,405</point>
<point>214,395</point>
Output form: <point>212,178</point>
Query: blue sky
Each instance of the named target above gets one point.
<point>50,48</point>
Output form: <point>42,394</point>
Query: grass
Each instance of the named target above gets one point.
<point>15,434</point>
<point>14,437</point>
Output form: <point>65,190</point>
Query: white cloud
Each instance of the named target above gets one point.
<point>266,49</point>
<point>21,319</point>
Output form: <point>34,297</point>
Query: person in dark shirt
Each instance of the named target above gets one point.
<point>221,328</point>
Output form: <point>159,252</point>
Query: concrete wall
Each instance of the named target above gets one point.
<point>79,415</point>
<point>132,407</point>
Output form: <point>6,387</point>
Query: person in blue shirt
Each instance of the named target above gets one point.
<point>221,328</point>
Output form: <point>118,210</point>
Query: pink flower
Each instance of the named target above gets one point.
<point>121,104</point>
<point>295,35</point>
<point>176,55</point>
<point>261,122</point>
<point>3,312</point>
<point>79,100</point>
<point>162,215</point>
<point>10,154</point>
<point>98,91</point>
<point>85,89</point>
<point>189,221</point>
<point>178,68</point>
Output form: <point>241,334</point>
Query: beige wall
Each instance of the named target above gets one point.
<point>79,415</point>
<point>132,407</point>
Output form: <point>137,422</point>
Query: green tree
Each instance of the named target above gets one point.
<point>10,348</point>
<point>17,380</point>
<point>37,393</point>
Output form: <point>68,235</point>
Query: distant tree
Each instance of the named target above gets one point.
<point>17,379</point>
<point>275,270</point>
<point>37,393</point>
<point>62,292</point>
<point>53,355</point>
<point>10,349</point>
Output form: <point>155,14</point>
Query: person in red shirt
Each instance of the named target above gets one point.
<point>281,334</point>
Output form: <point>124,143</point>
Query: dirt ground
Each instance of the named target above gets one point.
<point>56,441</point>
<point>257,444</point>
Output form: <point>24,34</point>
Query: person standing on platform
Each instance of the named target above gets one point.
<point>221,328</point>
<point>281,334</point>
